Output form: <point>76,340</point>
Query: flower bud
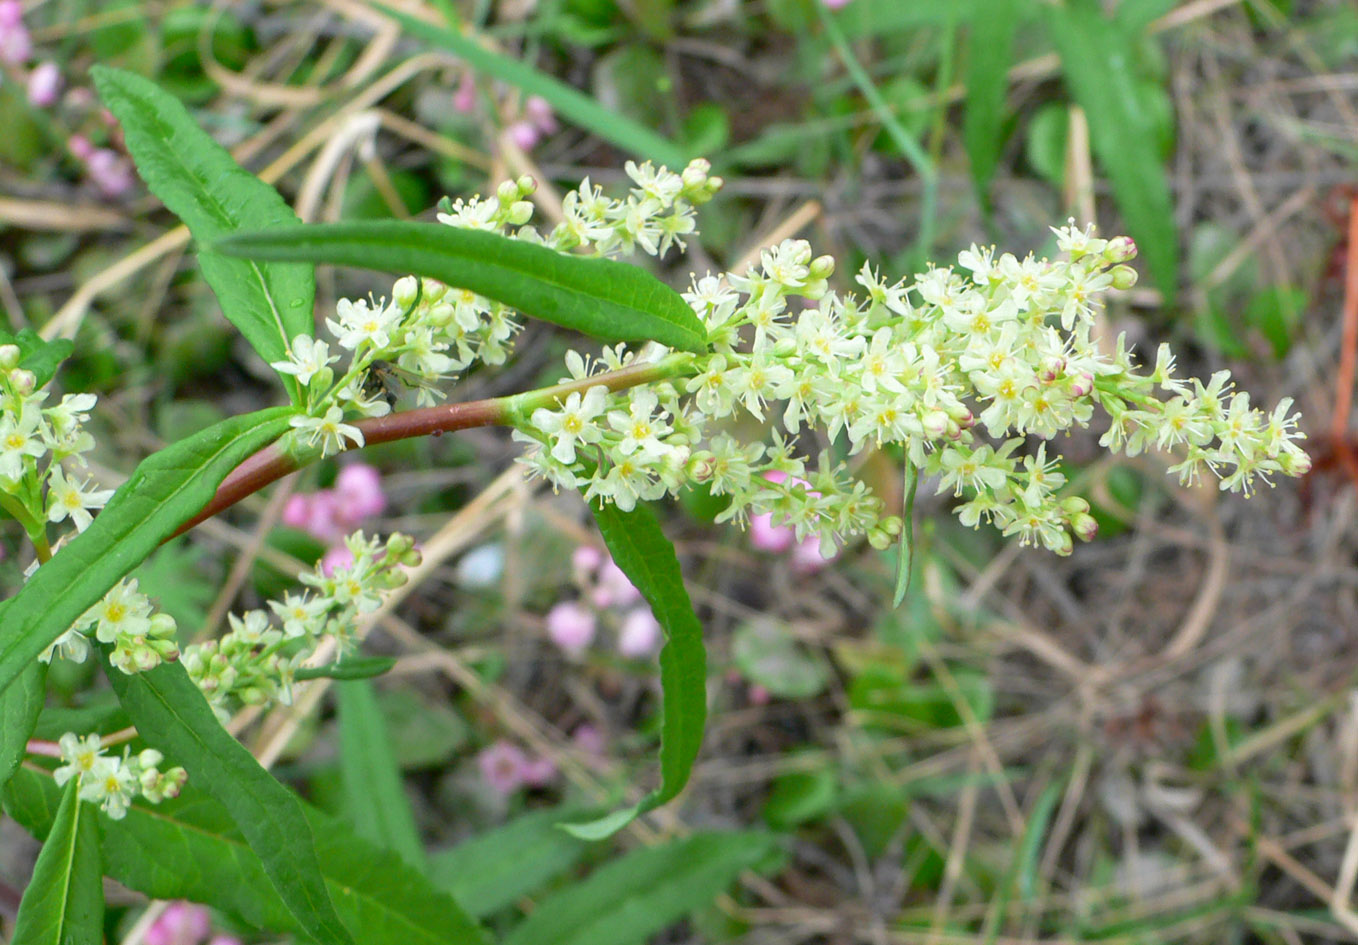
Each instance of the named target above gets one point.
<point>507,193</point>
<point>9,357</point>
<point>1120,249</point>
<point>1050,369</point>
<point>1124,277</point>
<point>526,184</point>
<point>879,539</point>
<point>1080,384</point>
<point>1084,526</point>
<point>822,267</point>
<point>23,381</point>
<point>162,625</point>
<point>434,290</point>
<point>702,466</point>
<point>935,423</point>
<point>1074,505</point>
<point>520,212</point>
<point>1294,463</point>
<point>149,758</point>
<point>405,291</point>
<point>1062,544</point>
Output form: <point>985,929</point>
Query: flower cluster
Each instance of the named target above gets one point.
<point>258,659</point>
<point>113,782</point>
<point>184,923</point>
<point>956,369</point>
<point>506,767</point>
<point>607,594</point>
<point>429,334</point>
<point>142,638</point>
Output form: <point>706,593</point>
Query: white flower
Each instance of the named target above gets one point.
<point>659,184</point>
<point>82,756</point>
<point>301,614</point>
<point>19,438</point>
<point>123,612</point>
<point>361,322</point>
<point>329,430</point>
<point>641,430</point>
<point>307,358</point>
<point>66,498</point>
<point>573,424</point>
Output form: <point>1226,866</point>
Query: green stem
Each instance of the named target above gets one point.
<point>36,529</point>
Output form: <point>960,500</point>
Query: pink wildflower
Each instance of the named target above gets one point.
<point>11,13</point>
<point>44,85</point>
<point>588,739</point>
<point>336,558</point>
<point>182,923</point>
<point>358,493</point>
<point>806,557</point>
<point>110,172</point>
<point>464,99</point>
<point>80,146</point>
<point>585,562</point>
<point>836,4</point>
<point>15,43</point>
<point>524,135</point>
<point>539,112</point>
<point>502,765</point>
<point>767,536</point>
<point>614,589</point>
<point>538,772</point>
<point>758,695</point>
<point>640,635</point>
<point>223,939</point>
<point>571,627</point>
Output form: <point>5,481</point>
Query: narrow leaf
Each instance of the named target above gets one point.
<point>495,869</point>
<point>166,490</point>
<point>633,898</point>
<point>989,47</point>
<point>64,903</point>
<point>202,184</point>
<point>1096,60</point>
<point>645,555</point>
<point>568,102</point>
<point>20,705</point>
<point>172,715</point>
<point>610,300</point>
<point>376,800</point>
<point>201,856</point>
<point>905,560</point>
<point>360,667</point>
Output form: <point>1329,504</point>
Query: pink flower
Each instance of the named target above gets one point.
<point>223,939</point>
<point>836,4</point>
<point>524,135</point>
<point>614,589</point>
<point>11,13</point>
<point>640,635</point>
<point>539,112</point>
<point>464,99</point>
<point>80,146</point>
<point>502,765</point>
<point>585,561</point>
<point>758,695</point>
<point>44,85</point>
<point>571,627</point>
<point>182,923</point>
<point>15,44</point>
<point>588,739</point>
<point>336,558</point>
<point>297,511</point>
<point>538,772</point>
<point>110,172</point>
<point>806,557</point>
<point>767,536</point>
<point>358,493</point>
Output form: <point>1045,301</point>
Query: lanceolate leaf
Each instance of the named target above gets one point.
<point>20,705</point>
<point>610,300</point>
<point>171,714</point>
<point>64,903</point>
<point>165,491</point>
<point>377,804</point>
<point>568,102</point>
<point>1096,60</point>
<point>203,185</point>
<point>631,899</point>
<point>202,857</point>
<point>645,555</point>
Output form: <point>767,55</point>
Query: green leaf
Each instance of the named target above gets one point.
<point>166,490</point>
<point>213,195</point>
<point>1096,60</point>
<point>632,898</point>
<point>905,559</point>
<point>645,555</point>
<point>376,800</point>
<point>171,714</point>
<point>766,652</point>
<point>64,904</point>
<point>38,355</point>
<point>201,856</point>
<point>355,667</point>
<point>609,300</point>
<point>569,103</point>
<point>498,868</point>
<point>989,48</point>
<point>20,705</point>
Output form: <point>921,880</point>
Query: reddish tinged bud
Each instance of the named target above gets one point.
<point>1124,277</point>
<point>1120,249</point>
<point>1084,526</point>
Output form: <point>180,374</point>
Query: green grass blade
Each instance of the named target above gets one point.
<point>905,560</point>
<point>633,898</point>
<point>166,490</point>
<point>202,857</point>
<point>645,555</point>
<point>202,184</point>
<point>989,48</point>
<point>375,799</point>
<point>64,903</point>
<point>171,714</point>
<point>1096,62</point>
<point>568,102</point>
<point>609,300</point>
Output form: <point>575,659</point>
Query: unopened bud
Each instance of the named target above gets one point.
<point>162,625</point>
<point>1081,384</point>
<point>1074,505</point>
<point>507,193</point>
<point>527,185</point>
<point>1063,544</point>
<point>1084,526</point>
<point>822,267</point>
<point>9,357</point>
<point>434,290</point>
<point>879,539</point>
<point>1294,463</point>
<point>405,291</point>
<point>935,423</point>
<point>1120,249</point>
<point>1124,277</point>
<point>520,213</point>
<point>441,315</point>
<point>23,381</point>
<point>1051,369</point>
<point>701,466</point>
